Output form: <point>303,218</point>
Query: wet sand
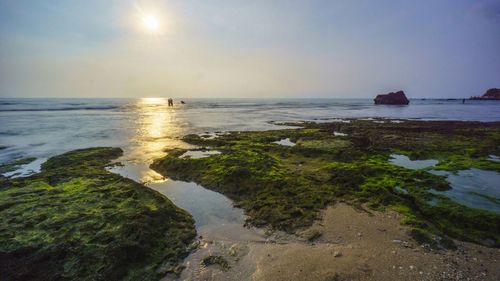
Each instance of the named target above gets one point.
<point>354,245</point>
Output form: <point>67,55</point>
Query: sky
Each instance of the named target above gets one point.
<point>249,49</point>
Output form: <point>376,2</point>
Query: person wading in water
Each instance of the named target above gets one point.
<point>170,102</point>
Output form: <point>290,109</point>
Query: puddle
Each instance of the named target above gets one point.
<point>339,134</point>
<point>196,154</point>
<point>212,135</point>
<point>400,189</point>
<point>404,161</point>
<point>397,121</point>
<point>285,142</point>
<point>494,158</point>
<point>26,169</point>
<point>474,188</point>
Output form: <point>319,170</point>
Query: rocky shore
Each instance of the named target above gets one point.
<point>74,220</point>
<point>346,212</point>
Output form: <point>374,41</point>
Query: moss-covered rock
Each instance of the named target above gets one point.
<point>76,221</point>
<point>286,187</point>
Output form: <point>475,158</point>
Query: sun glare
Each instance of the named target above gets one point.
<point>150,23</point>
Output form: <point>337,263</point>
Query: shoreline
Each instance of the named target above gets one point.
<point>416,234</point>
<point>274,256</point>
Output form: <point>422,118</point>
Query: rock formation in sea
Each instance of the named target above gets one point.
<point>392,98</point>
<point>491,94</point>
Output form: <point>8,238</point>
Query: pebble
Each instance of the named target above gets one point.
<point>337,254</point>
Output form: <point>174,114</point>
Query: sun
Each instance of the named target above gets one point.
<point>150,23</point>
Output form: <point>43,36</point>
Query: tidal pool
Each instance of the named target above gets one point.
<point>473,188</point>
<point>214,214</point>
<point>404,161</point>
<point>196,154</point>
<point>285,142</point>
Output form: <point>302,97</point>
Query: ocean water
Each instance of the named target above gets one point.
<point>144,127</point>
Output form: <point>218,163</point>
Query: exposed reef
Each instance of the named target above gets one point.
<point>286,187</point>
<point>77,221</point>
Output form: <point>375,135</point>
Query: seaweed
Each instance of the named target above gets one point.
<point>286,187</point>
<point>76,221</point>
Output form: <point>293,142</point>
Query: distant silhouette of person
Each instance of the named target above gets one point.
<point>463,100</point>
<point>170,102</point>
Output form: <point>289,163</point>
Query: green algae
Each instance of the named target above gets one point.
<point>76,221</point>
<point>286,187</point>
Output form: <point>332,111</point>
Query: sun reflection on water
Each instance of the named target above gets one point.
<point>157,127</point>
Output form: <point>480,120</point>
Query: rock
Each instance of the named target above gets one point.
<point>216,260</point>
<point>337,254</point>
<point>392,98</point>
<point>491,94</point>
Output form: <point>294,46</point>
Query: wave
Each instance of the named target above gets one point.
<point>61,108</point>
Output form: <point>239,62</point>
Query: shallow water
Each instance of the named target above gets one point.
<point>404,161</point>
<point>26,169</point>
<point>196,154</point>
<point>214,214</point>
<point>494,158</point>
<point>339,134</point>
<point>285,142</point>
<point>467,184</point>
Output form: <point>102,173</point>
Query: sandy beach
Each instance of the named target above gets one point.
<point>354,245</point>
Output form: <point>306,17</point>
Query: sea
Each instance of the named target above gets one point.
<point>145,127</point>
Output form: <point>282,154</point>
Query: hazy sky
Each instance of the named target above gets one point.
<point>213,48</point>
